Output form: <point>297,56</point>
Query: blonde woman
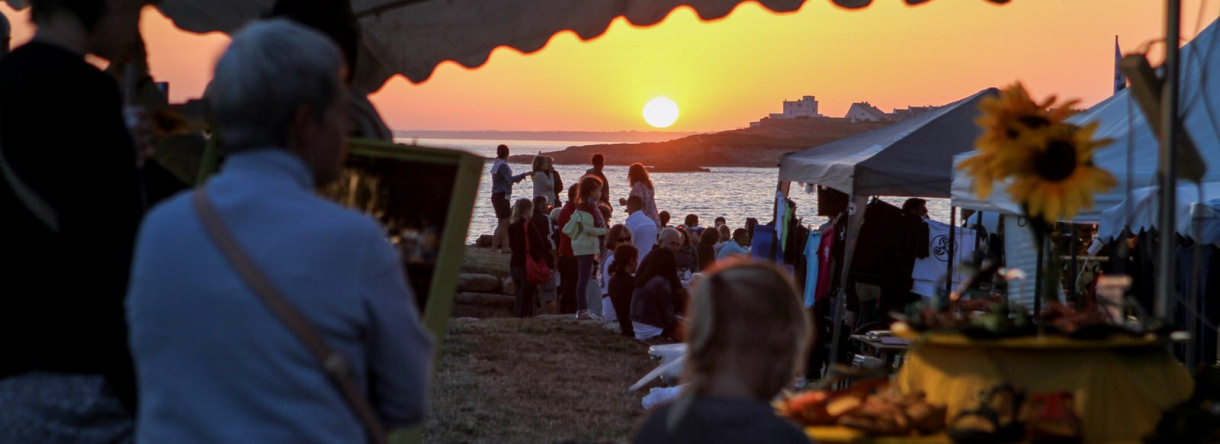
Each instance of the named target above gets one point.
<point>745,341</point>
<point>641,185</point>
<point>544,181</point>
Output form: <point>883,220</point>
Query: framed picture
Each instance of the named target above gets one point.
<point>424,198</point>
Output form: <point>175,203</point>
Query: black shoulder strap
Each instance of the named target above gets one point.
<point>332,362</point>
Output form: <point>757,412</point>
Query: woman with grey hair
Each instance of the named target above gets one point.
<point>219,358</point>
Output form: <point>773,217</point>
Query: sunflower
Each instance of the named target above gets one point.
<point>1014,127</point>
<point>1061,178</point>
<point>1014,117</point>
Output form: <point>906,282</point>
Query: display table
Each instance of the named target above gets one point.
<point>1121,386</point>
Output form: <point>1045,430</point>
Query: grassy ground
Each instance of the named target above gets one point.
<point>536,381</point>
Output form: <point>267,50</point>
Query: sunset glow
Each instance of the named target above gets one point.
<point>729,72</point>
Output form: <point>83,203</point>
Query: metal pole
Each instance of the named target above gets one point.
<point>854,221</point>
<point>952,239</point>
<point>1167,167</point>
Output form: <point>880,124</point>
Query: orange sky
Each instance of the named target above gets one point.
<point>726,73</point>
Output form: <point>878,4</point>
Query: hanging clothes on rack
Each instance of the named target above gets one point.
<point>812,267</point>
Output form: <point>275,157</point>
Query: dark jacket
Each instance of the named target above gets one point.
<point>542,223</point>
<point>565,242</point>
<point>559,189</point>
<point>707,256</point>
<point>653,304</point>
<point>622,287</point>
<point>62,133</point>
<point>687,258</point>
<point>605,184</point>
<point>540,249</point>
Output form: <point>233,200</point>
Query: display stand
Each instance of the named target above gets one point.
<point>1121,385</point>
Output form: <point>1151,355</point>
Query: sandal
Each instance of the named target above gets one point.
<point>995,420</point>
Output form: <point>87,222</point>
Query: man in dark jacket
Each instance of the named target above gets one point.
<point>70,194</point>
<point>599,162</point>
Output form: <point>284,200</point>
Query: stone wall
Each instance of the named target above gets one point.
<point>485,289</point>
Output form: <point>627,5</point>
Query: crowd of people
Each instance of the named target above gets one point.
<point>224,313</point>
<point>586,252</point>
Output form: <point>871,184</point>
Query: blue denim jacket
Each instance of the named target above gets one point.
<point>214,365</point>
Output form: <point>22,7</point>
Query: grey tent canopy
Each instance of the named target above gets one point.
<point>913,157</point>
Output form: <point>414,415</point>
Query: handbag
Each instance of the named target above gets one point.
<point>536,272</point>
<point>332,363</point>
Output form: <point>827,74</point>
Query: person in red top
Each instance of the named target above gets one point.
<point>567,260</point>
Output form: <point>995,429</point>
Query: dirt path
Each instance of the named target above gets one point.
<point>535,381</point>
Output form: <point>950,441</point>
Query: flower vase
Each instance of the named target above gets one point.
<point>1048,268</point>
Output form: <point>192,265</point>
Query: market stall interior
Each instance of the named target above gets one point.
<point>965,359</point>
<point>1092,361</point>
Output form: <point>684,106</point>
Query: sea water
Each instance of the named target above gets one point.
<point>735,193</point>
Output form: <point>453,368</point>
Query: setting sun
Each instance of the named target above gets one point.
<point>660,112</point>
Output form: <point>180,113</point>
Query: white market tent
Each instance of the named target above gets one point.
<point>1197,210</point>
<point>1132,158</point>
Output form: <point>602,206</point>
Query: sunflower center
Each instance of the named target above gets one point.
<point>1057,161</point>
<point>1033,121</point>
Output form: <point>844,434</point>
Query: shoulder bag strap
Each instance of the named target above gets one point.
<point>30,198</point>
<point>333,364</point>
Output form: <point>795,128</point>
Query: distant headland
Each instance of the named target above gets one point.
<point>758,146</point>
<point>583,136</point>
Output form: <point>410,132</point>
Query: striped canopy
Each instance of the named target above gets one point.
<point>411,37</point>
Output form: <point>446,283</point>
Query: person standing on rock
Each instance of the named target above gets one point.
<point>502,180</point>
<point>558,189</point>
<point>544,184</point>
<point>641,186</point>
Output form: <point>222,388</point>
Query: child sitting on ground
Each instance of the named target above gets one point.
<point>621,286</point>
<point>744,344</point>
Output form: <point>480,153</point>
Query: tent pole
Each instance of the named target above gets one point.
<point>1167,167</point>
<point>952,241</point>
<point>853,230</point>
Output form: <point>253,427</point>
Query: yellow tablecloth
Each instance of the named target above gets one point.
<point>1120,393</point>
<point>838,434</point>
